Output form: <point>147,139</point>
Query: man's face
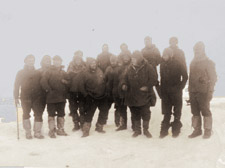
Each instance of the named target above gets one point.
<point>105,48</point>
<point>30,62</point>
<point>79,54</point>
<point>148,42</point>
<point>47,62</point>
<point>113,62</point>
<point>57,63</point>
<point>173,43</point>
<point>124,48</point>
<point>134,61</point>
<point>77,60</point>
<point>165,57</point>
<point>198,51</point>
<point>126,59</point>
<point>93,65</point>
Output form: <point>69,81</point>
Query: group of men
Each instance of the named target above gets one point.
<point>127,80</point>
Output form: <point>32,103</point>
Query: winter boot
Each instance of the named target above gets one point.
<point>60,125</point>
<point>165,125</point>
<point>145,129</point>
<point>117,118</point>
<point>196,124</point>
<point>137,130</point>
<point>81,121</point>
<point>37,130</point>
<point>27,128</point>
<point>176,126</point>
<point>76,122</point>
<point>99,128</point>
<point>51,126</point>
<point>76,126</point>
<point>86,129</point>
<point>123,125</point>
<point>207,127</point>
<point>132,123</point>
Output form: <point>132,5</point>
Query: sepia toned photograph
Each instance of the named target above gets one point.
<point>112,84</point>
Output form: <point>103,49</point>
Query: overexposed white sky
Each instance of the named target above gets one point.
<point>59,27</point>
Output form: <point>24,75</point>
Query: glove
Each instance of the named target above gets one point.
<point>144,89</point>
<point>64,81</point>
<point>124,87</point>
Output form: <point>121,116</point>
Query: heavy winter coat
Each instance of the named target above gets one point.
<point>173,76</point>
<point>28,80</point>
<point>113,77</point>
<point>75,73</point>
<point>203,75</point>
<point>55,82</point>
<point>93,83</point>
<point>152,55</point>
<point>135,78</point>
<point>103,60</point>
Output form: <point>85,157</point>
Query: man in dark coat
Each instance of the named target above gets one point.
<point>151,52</point>
<point>103,59</point>
<point>138,80</point>
<point>124,59</point>
<point>173,80</point>
<point>45,64</point>
<point>202,81</point>
<point>93,88</point>
<point>113,76</point>
<point>125,54</point>
<point>76,99</point>
<point>55,82</point>
<point>27,88</point>
<point>153,56</point>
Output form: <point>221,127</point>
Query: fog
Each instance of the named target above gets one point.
<point>57,27</point>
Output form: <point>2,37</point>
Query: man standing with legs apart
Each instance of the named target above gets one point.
<point>138,80</point>
<point>45,64</point>
<point>27,88</point>
<point>152,55</point>
<point>92,87</point>
<point>173,80</point>
<point>76,99</point>
<point>103,61</point>
<point>202,81</point>
<point>55,82</point>
<point>124,60</point>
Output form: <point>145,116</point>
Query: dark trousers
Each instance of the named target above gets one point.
<point>121,108</point>
<point>76,102</point>
<point>56,109</point>
<point>91,104</point>
<point>36,104</point>
<point>172,104</point>
<point>200,104</point>
<point>141,112</point>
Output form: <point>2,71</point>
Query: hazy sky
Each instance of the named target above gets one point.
<point>59,27</point>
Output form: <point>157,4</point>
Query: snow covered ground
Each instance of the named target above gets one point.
<point>118,149</point>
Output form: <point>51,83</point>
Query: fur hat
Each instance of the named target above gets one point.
<point>89,60</point>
